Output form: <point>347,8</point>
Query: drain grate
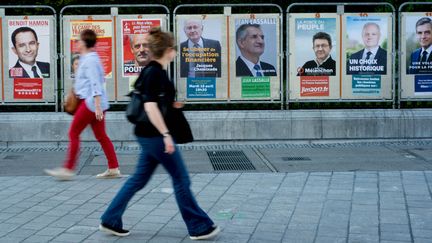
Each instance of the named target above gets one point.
<point>229,160</point>
<point>295,158</point>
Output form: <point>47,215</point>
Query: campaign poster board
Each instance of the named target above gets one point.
<point>103,26</point>
<point>416,70</point>
<point>29,62</point>
<point>132,55</point>
<point>202,61</point>
<point>254,57</point>
<point>367,46</point>
<point>314,56</point>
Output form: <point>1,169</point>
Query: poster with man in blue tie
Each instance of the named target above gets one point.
<point>256,57</point>
<point>367,49</point>
<point>417,72</point>
<point>419,45</point>
<point>200,55</point>
<point>367,45</point>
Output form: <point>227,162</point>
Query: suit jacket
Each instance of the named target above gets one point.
<point>328,68</point>
<point>415,59</point>
<point>43,66</point>
<point>380,56</point>
<point>242,69</point>
<point>207,43</point>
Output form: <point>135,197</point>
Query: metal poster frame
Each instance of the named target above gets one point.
<point>53,54</point>
<point>400,53</point>
<point>114,8</point>
<point>227,8</point>
<point>340,11</point>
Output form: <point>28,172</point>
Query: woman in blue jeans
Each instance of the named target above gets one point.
<point>158,147</point>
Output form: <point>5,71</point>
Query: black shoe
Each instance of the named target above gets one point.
<point>210,233</point>
<point>114,231</point>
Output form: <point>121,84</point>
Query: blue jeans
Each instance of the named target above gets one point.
<point>152,153</point>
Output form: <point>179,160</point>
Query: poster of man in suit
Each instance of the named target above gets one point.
<point>135,47</point>
<point>366,45</point>
<point>200,48</point>
<point>26,39</point>
<point>256,48</point>
<point>419,45</point>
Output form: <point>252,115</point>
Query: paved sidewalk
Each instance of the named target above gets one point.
<point>250,207</point>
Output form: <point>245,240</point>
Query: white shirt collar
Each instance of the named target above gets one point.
<point>373,50</point>
<point>429,50</point>
<point>251,65</point>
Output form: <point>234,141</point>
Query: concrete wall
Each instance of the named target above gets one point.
<point>238,125</point>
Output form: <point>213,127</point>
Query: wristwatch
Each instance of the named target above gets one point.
<point>166,134</point>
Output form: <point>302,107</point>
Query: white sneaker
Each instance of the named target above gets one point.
<point>61,174</point>
<point>210,233</point>
<point>109,173</point>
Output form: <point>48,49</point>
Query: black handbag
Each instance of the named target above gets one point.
<point>135,112</point>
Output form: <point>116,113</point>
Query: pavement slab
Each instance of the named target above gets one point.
<point>374,192</point>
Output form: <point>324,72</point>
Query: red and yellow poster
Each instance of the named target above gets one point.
<point>103,29</point>
<point>135,53</point>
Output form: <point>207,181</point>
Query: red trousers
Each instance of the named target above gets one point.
<point>83,117</point>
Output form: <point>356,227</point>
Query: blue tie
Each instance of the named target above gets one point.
<point>258,70</point>
<point>423,56</point>
<point>34,70</point>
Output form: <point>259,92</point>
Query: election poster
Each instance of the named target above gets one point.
<point>314,60</point>
<point>29,58</point>
<point>134,45</point>
<point>368,47</point>
<point>29,48</point>
<point>103,48</point>
<point>201,59</point>
<point>255,63</point>
<point>416,58</point>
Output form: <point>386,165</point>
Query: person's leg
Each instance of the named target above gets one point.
<point>197,221</point>
<point>145,168</point>
<point>98,128</point>
<point>80,120</point>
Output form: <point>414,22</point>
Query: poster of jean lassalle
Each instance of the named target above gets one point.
<point>254,62</point>
<point>368,47</point>
<point>416,55</point>
<point>201,59</point>
<point>314,56</point>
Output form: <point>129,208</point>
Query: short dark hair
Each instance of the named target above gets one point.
<point>424,20</point>
<point>241,31</point>
<point>322,35</point>
<point>89,38</point>
<point>159,42</point>
<point>20,30</point>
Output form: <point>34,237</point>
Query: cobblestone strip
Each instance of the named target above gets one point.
<point>295,231</point>
<point>419,205</point>
<point>364,223</point>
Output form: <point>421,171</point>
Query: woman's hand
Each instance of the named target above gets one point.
<point>178,104</point>
<point>169,144</point>
<point>99,113</point>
